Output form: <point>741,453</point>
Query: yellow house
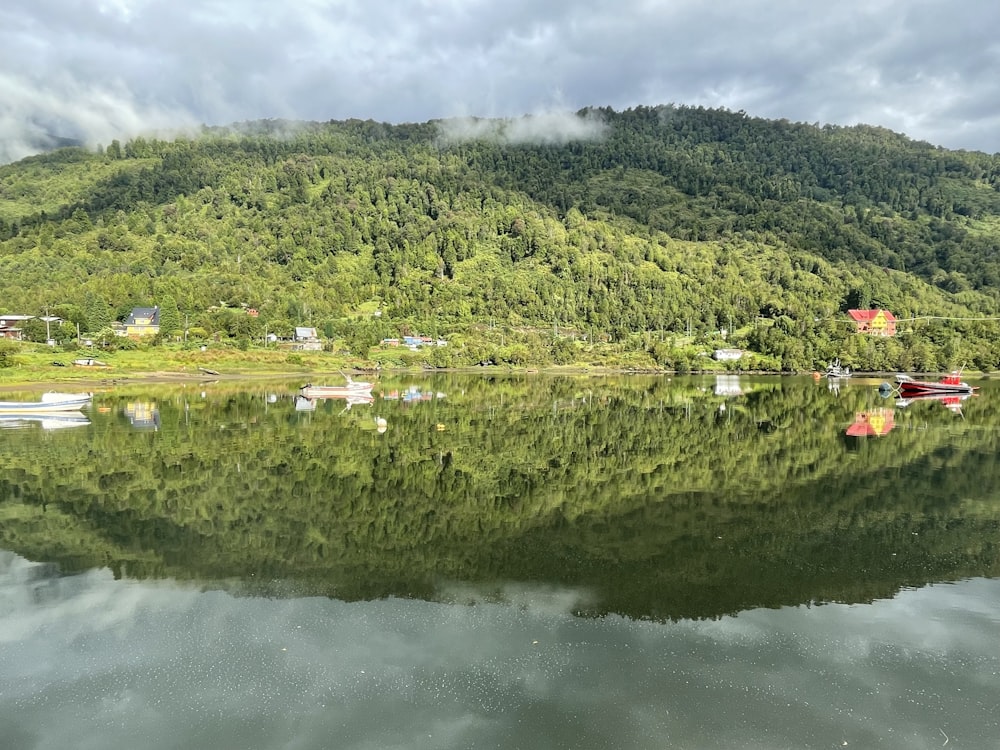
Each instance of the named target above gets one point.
<point>874,322</point>
<point>144,321</point>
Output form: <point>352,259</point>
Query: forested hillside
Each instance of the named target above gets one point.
<point>630,237</point>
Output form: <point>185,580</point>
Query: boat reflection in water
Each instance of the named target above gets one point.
<point>45,421</point>
<point>350,399</point>
<point>951,401</point>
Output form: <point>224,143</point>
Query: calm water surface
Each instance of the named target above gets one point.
<point>503,563</point>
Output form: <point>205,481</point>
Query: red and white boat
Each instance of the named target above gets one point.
<point>949,384</point>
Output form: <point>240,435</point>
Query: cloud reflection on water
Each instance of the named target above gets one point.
<point>90,661</point>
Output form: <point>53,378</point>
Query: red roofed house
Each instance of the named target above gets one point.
<point>874,322</point>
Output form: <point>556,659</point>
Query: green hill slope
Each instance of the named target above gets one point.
<point>646,232</point>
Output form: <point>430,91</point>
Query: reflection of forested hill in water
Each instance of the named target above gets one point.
<point>658,498</point>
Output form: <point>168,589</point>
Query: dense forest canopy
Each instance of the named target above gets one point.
<point>647,232</point>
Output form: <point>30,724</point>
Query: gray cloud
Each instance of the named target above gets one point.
<point>113,68</point>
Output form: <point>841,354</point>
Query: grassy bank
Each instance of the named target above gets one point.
<point>36,364</point>
<point>25,363</point>
<point>42,365</point>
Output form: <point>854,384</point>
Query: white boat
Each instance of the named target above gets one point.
<point>333,391</point>
<point>50,403</point>
<point>349,389</point>
<point>835,370</point>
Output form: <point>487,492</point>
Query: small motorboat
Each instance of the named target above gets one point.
<point>349,389</point>
<point>836,370</point>
<point>335,391</point>
<point>949,384</point>
<point>50,403</point>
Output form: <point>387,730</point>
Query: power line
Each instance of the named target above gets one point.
<point>943,317</point>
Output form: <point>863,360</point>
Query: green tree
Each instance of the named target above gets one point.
<point>170,316</point>
<point>96,312</point>
<point>34,330</point>
<point>7,350</point>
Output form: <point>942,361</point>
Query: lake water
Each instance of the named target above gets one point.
<point>514,562</point>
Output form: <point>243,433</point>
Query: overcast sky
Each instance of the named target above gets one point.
<point>100,69</point>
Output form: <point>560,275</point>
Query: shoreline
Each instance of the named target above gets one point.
<point>158,377</point>
<point>161,377</point>
<point>165,377</point>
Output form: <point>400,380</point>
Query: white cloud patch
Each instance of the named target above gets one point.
<point>543,128</point>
